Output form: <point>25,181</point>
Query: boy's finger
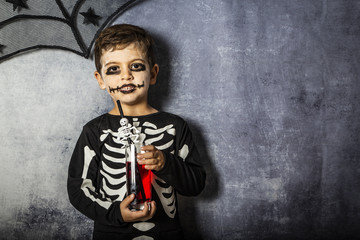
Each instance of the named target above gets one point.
<point>148,148</point>
<point>153,208</point>
<point>141,215</point>
<point>146,209</point>
<point>149,214</point>
<point>148,161</point>
<point>126,202</point>
<point>145,155</point>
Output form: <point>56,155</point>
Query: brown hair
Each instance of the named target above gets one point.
<point>119,37</point>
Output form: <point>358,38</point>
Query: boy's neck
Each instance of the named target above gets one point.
<point>134,110</point>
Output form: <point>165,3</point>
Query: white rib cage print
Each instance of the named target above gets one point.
<point>113,163</point>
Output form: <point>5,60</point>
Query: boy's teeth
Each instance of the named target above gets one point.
<point>127,88</point>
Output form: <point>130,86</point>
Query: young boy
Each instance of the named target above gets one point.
<point>125,67</point>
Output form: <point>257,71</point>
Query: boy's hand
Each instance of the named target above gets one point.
<point>136,216</point>
<point>153,159</point>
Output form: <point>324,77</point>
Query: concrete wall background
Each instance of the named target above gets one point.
<point>269,88</point>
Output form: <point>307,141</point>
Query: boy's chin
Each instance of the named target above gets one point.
<point>129,99</point>
<point>127,92</point>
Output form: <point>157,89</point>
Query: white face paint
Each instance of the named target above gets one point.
<point>126,75</point>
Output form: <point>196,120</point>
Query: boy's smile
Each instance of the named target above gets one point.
<point>126,75</point>
<point>126,88</point>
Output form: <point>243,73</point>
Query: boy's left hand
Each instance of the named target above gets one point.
<point>153,158</point>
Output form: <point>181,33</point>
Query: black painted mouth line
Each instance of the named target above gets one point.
<point>126,88</point>
<point>141,85</point>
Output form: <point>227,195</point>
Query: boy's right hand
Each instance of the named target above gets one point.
<point>136,216</point>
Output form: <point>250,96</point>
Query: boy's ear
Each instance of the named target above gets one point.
<point>100,80</point>
<point>154,72</point>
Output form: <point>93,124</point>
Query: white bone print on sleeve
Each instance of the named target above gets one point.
<point>166,195</point>
<point>165,191</point>
<point>87,185</point>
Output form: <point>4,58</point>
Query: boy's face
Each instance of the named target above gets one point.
<point>126,75</point>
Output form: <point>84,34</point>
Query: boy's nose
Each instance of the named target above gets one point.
<point>126,75</point>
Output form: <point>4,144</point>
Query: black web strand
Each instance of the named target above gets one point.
<point>63,9</point>
<point>75,29</point>
<point>25,16</point>
<point>70,20</point>
<point>107,22</point>
<point>36,47</point>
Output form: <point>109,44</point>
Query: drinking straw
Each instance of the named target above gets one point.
<point>120,109</point>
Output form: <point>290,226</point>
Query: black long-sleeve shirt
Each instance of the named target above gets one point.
<point>97,175</point>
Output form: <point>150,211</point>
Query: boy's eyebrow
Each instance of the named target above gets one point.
<point>133,60</point>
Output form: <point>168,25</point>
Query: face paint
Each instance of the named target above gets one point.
<point>126,88</point>
<point>113,70</point>
<point>126,75</point>
<point>142,85</point>
<point>137,67</point>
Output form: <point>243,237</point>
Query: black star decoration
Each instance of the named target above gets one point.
<point>90,17</point>
<point>1,48</point>
<point>18,4</point>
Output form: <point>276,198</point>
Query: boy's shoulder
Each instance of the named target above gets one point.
<point>94,124</point>
<point>166,118</point>
<point>95,121</point>
<point>170,116</point>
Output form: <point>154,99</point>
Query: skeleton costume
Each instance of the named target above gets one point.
<point>97,176</point>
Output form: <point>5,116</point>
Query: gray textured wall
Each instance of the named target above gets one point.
<point>271,92</point>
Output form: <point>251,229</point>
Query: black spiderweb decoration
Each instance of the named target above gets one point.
<point>57,24</point>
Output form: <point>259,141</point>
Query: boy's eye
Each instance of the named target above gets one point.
<point>113,70</point>
<point>137,67</point>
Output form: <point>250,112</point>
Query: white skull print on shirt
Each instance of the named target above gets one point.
<point>97,172</point>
